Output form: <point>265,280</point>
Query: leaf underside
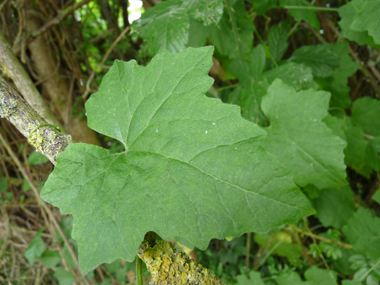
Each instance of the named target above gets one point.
<point>192,166</point>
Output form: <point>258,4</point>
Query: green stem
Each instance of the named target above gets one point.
<point>139,277</point>
<point>39,126</point>
<point>234,28</point>
<point>311,8</point>
<point>369,271</point>
<point>264,45</point>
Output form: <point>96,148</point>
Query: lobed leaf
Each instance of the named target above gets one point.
<point>192,167</point>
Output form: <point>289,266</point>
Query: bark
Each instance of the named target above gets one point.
<point>54,82</point>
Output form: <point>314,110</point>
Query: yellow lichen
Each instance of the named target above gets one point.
<point>169,265</point>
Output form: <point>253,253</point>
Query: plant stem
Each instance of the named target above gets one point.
<point>311,8</point>
<point>249,235</point>
<point>139,277</point>
<point>310,234</point>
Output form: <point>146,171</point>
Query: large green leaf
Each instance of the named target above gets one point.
<point>367,18</point>
<point>206,11</point>
<point>322,59</point>
<point>165,26</point>
<point>299,138</point>
<point>347,13</point>
<point>254,278</point>
<point>363,232</point>
<point>192,166</point>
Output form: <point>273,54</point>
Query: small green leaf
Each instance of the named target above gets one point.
<point>347,13</point>
<point>35,248</point>
<point>336,84</point>
<point>290,278</point>
<point>350,282</point>
<point>372,153</point>
<point>37,158</point>
<point>376,196</point>
<point>207,12</point>
<point>318,276</point>
<point>365,114</point>
<point>278,41</point>
<point>322,59</point>
<point>298,137</point>
<point>3,185</point>
<point>192,166</point>
<point>366,18</point>
<point>335,206</point>
<point>68,257</point>
<point>363,232</point>
<point>64,277</point>
<point>254,278</point>
<point>296,75</point>
<point>50,258</point>
<point>164,26</point>
<point>299,14</point>
<point>263,6</point>
<point>224,37</point>
<point>356,150</point>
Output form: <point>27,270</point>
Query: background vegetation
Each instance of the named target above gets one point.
<point>66,47</point>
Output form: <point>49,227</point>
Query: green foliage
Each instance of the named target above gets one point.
<point>37,158</point>
<point>206,11</point>
<point>295,136</point>
<point>190,168</point>
<point>166,26</point>
<point>365,114</point>
<point>363,232</point>
<point>277,41</point>
<point>334,206</point>
<point>175,140</point>
<point>322,59</point>
<point>50,258</point>
<point>300,14</point>
<point>35,248</point>
<point>64,277</point>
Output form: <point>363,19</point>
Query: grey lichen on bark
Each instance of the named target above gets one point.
<point>16,110</point>
<point>168,265</point>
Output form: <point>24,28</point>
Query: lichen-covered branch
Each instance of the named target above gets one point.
<point>168,265</point>
<point>23,82</point>
<point>15,109</point>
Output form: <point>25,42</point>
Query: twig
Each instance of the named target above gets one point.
<point>15,109</point>
<point>85,94</point>
<point>310,234</point>
<point>56,20</point>
<point>311,8</point>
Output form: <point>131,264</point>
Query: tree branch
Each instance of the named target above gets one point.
<point>15,109</point>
